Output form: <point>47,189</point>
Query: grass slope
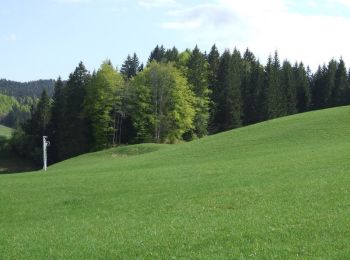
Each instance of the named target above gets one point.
<point>5,131</point>
<point>278,189</point>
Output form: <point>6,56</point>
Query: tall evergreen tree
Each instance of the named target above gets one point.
<point>341,87</point>
<point>158,54</point>
<point>197,75</point>
<point>289,89</point>
<point>57,122</point>
<point>172,55</point>
<point>229,104</point>
<point>247,89</point>
<point>275,100</point>
<point>30,144</point>
<point>252,89</point>
<point>329,87</point>
<point>213,61</point>
<point>303,87</point>
<point>131,66</point>
<point>76,133</point>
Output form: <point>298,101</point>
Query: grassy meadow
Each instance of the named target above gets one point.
<point>278,189</point>
<point>5,131</point>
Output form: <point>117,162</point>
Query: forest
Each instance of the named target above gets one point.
<point>175,97</point>
<point>17,99</point>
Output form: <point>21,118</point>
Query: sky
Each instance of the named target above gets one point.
<point>42,39</point>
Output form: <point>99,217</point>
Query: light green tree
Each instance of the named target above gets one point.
<point>163,104</point>
<point>102,105</point>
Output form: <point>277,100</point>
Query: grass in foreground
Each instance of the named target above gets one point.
<point>278,189</point>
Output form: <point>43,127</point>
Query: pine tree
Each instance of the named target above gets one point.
<point>252,89</point>
<point>341,87</point>
<point>76,134</point>
<point>303,87</point>
<point>57,122</point>
<point>213,61</point>
<point>30,143</point>
<point>131,66</point>
<point>197,75</point>
<point>246,87</point>
<point>275,100</point>
<point>228,105</point>
<point>158,54</point>
<point>172,55</point>
<point>289,89</point>
<point>329,86</point>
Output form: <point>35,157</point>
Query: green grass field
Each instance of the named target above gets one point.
<point>5,131</point>
<point>278,189</point>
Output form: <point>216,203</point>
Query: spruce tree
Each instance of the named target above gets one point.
<point>247,89</point>
<point>289,89</point>
<point>213,61</point>
<point>131,66</point>
<point>275,98</point>
<point>318,82</point>
<point>57,122</point>
<point>228,111</point>
<point>197,75</point>
<point>172,55</point>
<point>76,134</point>
<point>158,54</point>
<point>329,86</point>
<point>341,87</point>
<point>303,87</point>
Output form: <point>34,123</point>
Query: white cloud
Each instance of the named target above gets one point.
<point>156,3</point>
<point>10,38</point>
<point>265,26</point>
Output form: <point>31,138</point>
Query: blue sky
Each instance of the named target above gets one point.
<point>47,38</point>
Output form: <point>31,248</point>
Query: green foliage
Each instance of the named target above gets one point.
<point>57,122</point>
<point>6,104</point>
<point>303,87</point>
<point>5,132</point>
<point>102,104</point>
<point>162,103</point>
<point>197,75</point>
<point>31,89</point>
<point>131,66</point>
<point>228,111</point>
<point>76,134</point>
<point>340,93</point>
<point>158,54</point>
<point>275,190</point>
<point>289,88</point>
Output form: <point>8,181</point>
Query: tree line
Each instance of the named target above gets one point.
<point>175,96</point>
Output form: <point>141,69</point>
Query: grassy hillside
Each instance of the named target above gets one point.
<point>5,131</point>
<point>278,189</point>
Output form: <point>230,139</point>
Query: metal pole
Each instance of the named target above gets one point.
<point>45,152</point>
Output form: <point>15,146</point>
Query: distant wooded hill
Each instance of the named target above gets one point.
<point>26,89</point>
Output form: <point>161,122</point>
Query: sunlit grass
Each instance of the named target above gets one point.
<point>278,189</point>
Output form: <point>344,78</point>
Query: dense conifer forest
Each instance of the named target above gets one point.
<point>176,96</point>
